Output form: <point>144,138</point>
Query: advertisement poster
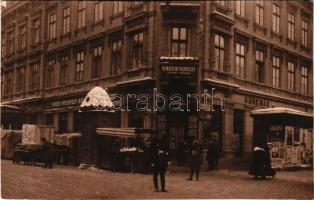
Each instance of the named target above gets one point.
<point>276,155</point>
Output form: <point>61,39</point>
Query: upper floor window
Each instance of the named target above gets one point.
<point>36,31</point>
<point>116,56</point>
<point>66,20</point>
<point>117,7</point>
<point>240,60</point>
<point>96,65</point>
<point>179,41</point>
<point>52,26</point>
<point>10,38</point>
<point>50,73</point>
<point>240,7</point>
<point>8,83</point>
<point>276,71</point>
<point>304,33</point>
<point>20,79</point>
<point>22,37</point>
<point>99,11</point>
<point>64,69</point>
<point>137,50</point>
<point>219,52</point>
<point>33,74</point>
<point>276,18</point>
<point>3,50</point>
<point>291,76</point>
<point>259,66</point>
<point>291,26</point>
<point>81,14</point>
<point>221,2</point>
<point>79,68</point>
<point>259,12</point>
<point>304,80</point>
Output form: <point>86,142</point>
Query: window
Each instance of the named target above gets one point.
<point>116,56</point>
<point>50,73</point>
<point>219,52</point>
<point>276,71</point>
<point>96,67</point>
<point>259,12</point>
<point>179,42</point>
<point>117,7</point>
<point>259,66</point>
<point>240,60</point>
<point>304,80</point>
<point>64,70</point>
<point>291,26</point>
<point>240,8</point>
<point>36,31</point>
<point>291,76</point>
<point>3,50</point>
<point>304,34</point>
<point>137,50</point>
<point>66,20</point>
<point>99,11</point>
<point>221,2</point>
<point>33,74</point>
<point>9,83</point>
<point>22,37</point>
<point>20,79</point>
<point>276,18</point>
<point>52,26</point>
<point>10,43</point>
<point>81,18</point>
<point>63,122</point>
<point>79,66</point>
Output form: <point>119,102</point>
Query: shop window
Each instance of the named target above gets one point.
<point>63,122</point>
<point>179,42</point>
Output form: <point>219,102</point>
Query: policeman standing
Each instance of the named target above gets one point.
<point>159,163</point>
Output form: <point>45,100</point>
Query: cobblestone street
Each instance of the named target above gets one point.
<point>29,182</point>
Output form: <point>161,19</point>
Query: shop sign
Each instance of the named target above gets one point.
<point>178,70</point>
<point>257,101</point>
<point>69,102</point>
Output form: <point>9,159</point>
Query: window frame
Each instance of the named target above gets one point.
<point>50,72</point>
<point>179,41</point>
<point>116,56</point>
<point>117,7</point>
<point>22,37</point>
<point>221,50</point>
<point>304,33</point>
<point>276,71</point>
<point>259,13</point>
<point>66,20</point>
<point>64,67</point>
<point>96,61</point>
<point>137,51</point>
<point>20,79</point>
<point>276,16</point>
<point>81,14</point>
<point>36,31</point>
<point>291,76</point>
<point>259,73</point>
<point>10,39</point>
<point>240,69</point>
<point>34,75</point>
<point>304,79</point>
<point>79,66</point>
<point>52,26</point>
<point>98,11</point>
<point>240,8</point>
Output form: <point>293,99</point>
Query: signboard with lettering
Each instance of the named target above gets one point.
<point>177,67</point>
<point>66,103</point>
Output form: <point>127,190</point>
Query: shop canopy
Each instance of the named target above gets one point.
<point>123,132</point>
<point>5,108</point>
<point>281,111</point>
<point>97,99</point>
<point>65,139</point>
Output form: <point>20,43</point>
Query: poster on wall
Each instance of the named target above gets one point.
<point>289,132</point>
<point>276,155</point>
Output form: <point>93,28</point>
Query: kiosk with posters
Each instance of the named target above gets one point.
<point>288,133</point>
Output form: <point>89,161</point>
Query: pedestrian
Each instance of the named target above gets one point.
<point>48,153</point>
<point>212,154</point>
<point>195,159</point>
<point>159,163</point>
<point>180,152</point>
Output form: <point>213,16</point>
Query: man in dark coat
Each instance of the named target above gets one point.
<point>159,162</point>
<point>195,159</point>
<point>212,154</point>
<point>48,153</point>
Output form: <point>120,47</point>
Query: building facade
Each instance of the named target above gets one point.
<point>256,54</point>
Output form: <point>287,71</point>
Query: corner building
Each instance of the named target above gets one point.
<point>257,54</point>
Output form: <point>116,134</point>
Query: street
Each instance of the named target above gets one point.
<point>29,182</point>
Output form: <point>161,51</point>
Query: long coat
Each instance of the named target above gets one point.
<point>158,156</point>
<point>195,156</point>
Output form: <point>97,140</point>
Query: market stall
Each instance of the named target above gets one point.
<point>125,149</point>
<point>288,133</point>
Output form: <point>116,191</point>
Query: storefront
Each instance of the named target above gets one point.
<point>288,133</point>
<point>12,117</point>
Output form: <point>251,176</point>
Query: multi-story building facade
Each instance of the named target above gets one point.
<point>257,54</point>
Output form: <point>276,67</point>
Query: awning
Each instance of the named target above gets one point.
<point>123,132</point>
<point>280,110</point>
<point>8,108</point>
<point>65,139</point>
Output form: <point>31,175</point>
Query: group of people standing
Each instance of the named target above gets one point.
<point>160,158</point>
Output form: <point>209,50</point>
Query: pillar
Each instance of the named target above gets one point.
<point>228,131</point>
